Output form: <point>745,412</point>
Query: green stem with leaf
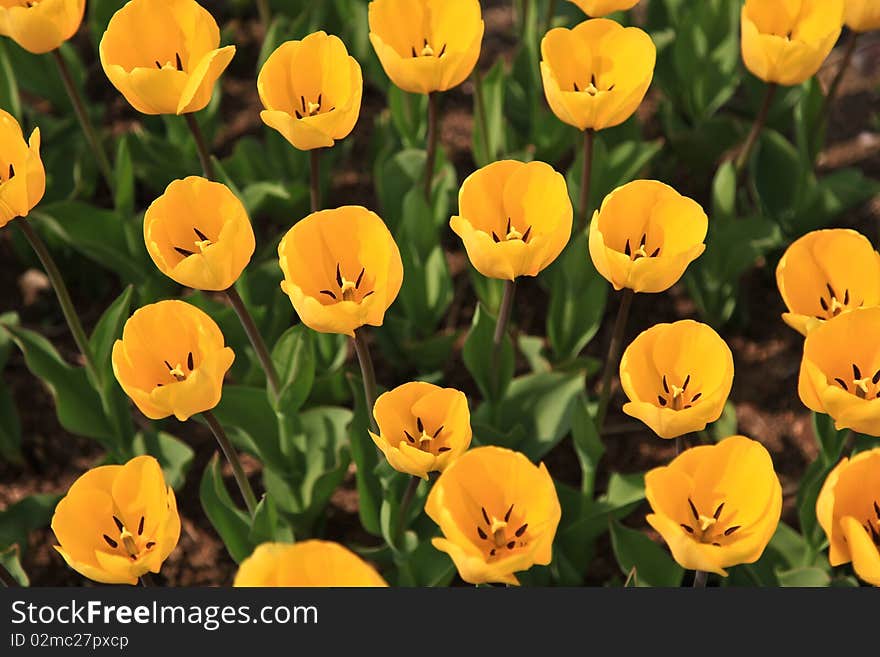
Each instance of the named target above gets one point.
<point>232,457</point>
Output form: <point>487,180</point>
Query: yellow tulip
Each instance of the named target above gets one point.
<point>840,371</point>
<point>39,26</point>
<point>786,41</point>
<point>716,506</point>
<point>164,56</point>
<point>604,7</point>
<point>198,234</point>
<point>426,45</point>
<point>117,522</point>
<point>422,427</point>
<point>498,513</point>
<point>171,360</point>
<point>305,564</point>
<point>645,235</point>
<point>341,269</point>
<point>596,74</point>
<point>22,177</point>
<point>826,273</point>
<point>311,90</point>
<point>862,15</point>
<point>848,509</point>
<point>515,218</point>
<point>677,377</point>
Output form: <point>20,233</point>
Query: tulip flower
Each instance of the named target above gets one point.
<point>311,90</point>
<point>826,273</point>
<point>645,235</point>
<point>604,7</point>
<point>117,522</point>
<point>422,427</point>
<point>785,41</point>
<point>164,56</point>
<point>22,177</point>
<point>515,218</point>
<point>840,372</point>
<point>848,509</point>
<point>596,74</point>
<point>716,506</point>
<point>677,377</point>
<point>341,269</point>
<point>171,360</point>
<point>198,234</point>
<point>40,26</point>
<point>426,45</point>
<point>305,564</point>
<point>862,15</point>
<point>498,513</point>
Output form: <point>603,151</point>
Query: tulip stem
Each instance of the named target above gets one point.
<point>431,156</point>
<point>265,14</point>
<point>315,166</point>
<point>480,110</point>
<point>551,12</point>
<point>838,78</point>
<point>84,122</point>
<point>232,456</point>
<point>253,333</point>
<point>586,174</point>
<point>61,291</point>
<point>749,145</point>
<point>700,578</point>
<point>368,374</point>
<point>405,503</point>
<point>613,356</point>
<point>201,146</point>
<point>503,316</point>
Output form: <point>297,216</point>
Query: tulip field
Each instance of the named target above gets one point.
<point>428,293</point>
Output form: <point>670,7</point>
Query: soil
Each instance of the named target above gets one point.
<point>766,353</point>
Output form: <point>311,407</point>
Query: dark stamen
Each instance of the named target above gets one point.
<point>119,524</point>
<point>150,544</point>
<point>665,385</point>
<point>661,399</point>
<point>717,544</point>
<point>201,235</point>
<point>338,275</point>
<point>626,249</point>
<point>830,290</point>
<point>419,425</point>
<point>369,293</point>
<point>302,99</point>
<point>508,225</point>
<point>525,236</point>
<point>576,86</point>
<point>329,293</point>
<point>644,239</point>
<point>877,510</point>
<point>437,433</point>
<point>696,397</point>
<point>593,79</point>
<point>485,516</point>
<point>111,542</point>
<point>481,533</point>
<point>511,545</point>
<point>876,378</point>
<point>694,510</point>
<point>522,530</point>
<point>179,63</point>
<point>409,437</point>
<point>656,252</point>
<point>442,51</point>
<point>495,237</point>
<point>823,304</point>
<point>507,515</point>
<point>360,278</point>
<point>189,365</point>
<point>857,373</point>
<point>717,513</point>
<point>443,449</point>
<point>687,528</point>
<point>320,96</point>
<point>11,172</point>
<point>183,252</point>
<point>158,65</point>
<point>298,115</point>
<point>168,365</point>
<point>414,51</point>
<point>730,530</point>
<point>842,383</point>
<point>846,297</point>
<point>686,381</point>
<point>141,527</point>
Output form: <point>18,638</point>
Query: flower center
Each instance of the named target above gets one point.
<point>178,64</point>
<point>708,529</point>
<point>641,251</point>
<point>511,233</point>
<point>503,533</point>
<point>861,387</point>
<point>177,372</point>
<point>310,108</point>
<point>133,545</point>
<point>869,525</point>
<point>201,244</point>
<point>592,88</point>
<point>676,397</point>
<point>426,441</point>
<point>347,290</point>
<point>9,177</point>
<point>427,51</point>
<point>833,307</point>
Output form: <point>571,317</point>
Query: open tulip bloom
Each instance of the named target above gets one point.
<point>826,273</point>
<point>171,360</point>
<point>786,41</point>
<point>514,218</point>
<point>306,564</point>
<point>716,506</point>
<point>848,509</point>
<point>40,27</point>
<point>596,74</point>
<point>498,513</point>
<point>677,377</point>
<point>164,56</point>
<point>603,7</point>
<point>198,234</point>
<point>118,522</point>
<point>840,371</point>
<point>342,269</point>
<point>862,15</point>
<point>22,177</point>
<point>311,91</point>
<point>645,235</point>
<point>422,427</point>
<point>426,45</point>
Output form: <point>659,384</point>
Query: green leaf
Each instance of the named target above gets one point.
<point>77,404</point>
<point>804,577</point>
<point>231,523</point>
<point>365,456</point>
<point>726,425</point>
<point>10,560</point>
<point>294,358</point>
<point>123,173</point>
<point>408,114</point>
<point>780,175</point>
<point>489,124</point>
<point>252,424</point>
<point>10,427</point>
<point>587,444</point>
<point>267,526</point>
<point>174,455</point>
<point>724,192</point>
<point>109,329</point>
<point>9,97</point>
<point>19,519</point>
<point>479,356</point>
<point>652,563</point>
